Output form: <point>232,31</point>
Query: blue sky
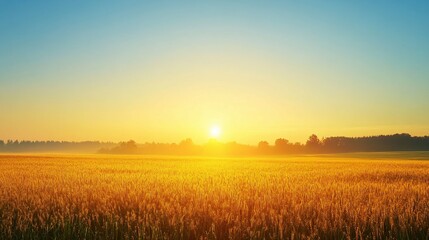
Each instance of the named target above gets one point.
<point>162,71</point>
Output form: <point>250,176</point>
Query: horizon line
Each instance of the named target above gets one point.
<point>208,141</point>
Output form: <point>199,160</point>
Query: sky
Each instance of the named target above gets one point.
<point>164,71</point>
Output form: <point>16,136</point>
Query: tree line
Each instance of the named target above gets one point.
<point>54,146</point>
<point>381,143</point>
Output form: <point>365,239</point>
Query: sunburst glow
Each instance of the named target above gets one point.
<point>215,131</point>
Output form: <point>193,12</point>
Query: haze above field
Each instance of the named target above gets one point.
<point>164,72</point>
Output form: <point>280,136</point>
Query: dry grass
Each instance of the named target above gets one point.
<point>131,197</point>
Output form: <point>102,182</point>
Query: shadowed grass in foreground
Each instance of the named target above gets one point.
<point>136,197</point>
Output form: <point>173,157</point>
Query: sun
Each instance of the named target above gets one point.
<point>215,131</point>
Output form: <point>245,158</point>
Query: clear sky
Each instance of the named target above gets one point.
<point>163,71</point>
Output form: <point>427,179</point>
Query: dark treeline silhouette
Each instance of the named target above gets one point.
<point>53,146</point>
<point>382,143</point>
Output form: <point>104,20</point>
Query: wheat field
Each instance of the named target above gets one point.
<point>151,197</point>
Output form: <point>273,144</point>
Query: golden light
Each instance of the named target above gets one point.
<point>215,131</point>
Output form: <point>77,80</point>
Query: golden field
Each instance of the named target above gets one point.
<point>348,196</point>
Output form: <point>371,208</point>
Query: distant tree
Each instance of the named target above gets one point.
<point>313,143</point>
<point>263,147</point>
<point>281,145</point>
<point>333,144</point>
<point>281,142</point>
<point>186,143</point>
<point>130,144</point>
<point>263,144</point>
<point>187,146</point>
<point>313,140</point>
<point>129,147</point>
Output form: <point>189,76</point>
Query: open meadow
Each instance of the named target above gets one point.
<point>344,196</point>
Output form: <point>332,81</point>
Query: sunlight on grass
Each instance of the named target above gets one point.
<point>122,197</point>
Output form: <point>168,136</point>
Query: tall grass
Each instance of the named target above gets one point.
<point>130,197</point>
